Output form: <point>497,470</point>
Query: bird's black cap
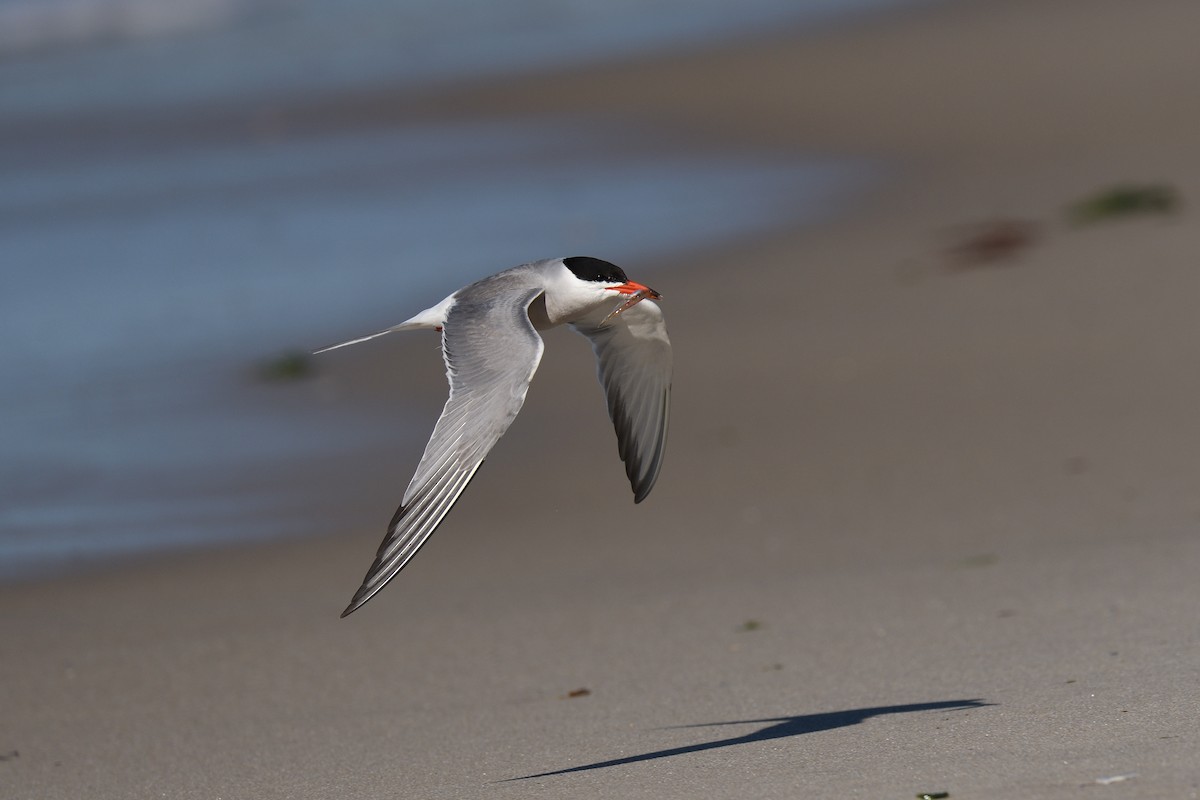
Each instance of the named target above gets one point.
<point>593,269</point>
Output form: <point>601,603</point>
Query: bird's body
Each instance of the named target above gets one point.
<point>491,348</point>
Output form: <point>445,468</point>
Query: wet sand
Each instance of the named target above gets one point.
<point>927,521</point>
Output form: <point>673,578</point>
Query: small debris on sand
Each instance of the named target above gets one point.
<point>991,243</point>
<point>1116,778</point>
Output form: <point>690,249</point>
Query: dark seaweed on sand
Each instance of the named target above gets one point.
<point>1125,200</point>
<point>291,366</point>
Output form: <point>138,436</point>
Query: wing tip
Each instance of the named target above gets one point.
<point>643,476</point>
<point>358,601</point>
<point>641,489</point>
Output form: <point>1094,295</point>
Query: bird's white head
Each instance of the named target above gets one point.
<point>587,284</point>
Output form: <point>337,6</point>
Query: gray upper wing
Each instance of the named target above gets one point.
<point>491,351</point>
<point>633,356</point>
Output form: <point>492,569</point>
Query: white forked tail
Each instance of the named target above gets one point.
<point>429,319</point>
<point>327,348</point>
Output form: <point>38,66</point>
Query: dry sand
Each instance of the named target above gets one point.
<point>922,526</point>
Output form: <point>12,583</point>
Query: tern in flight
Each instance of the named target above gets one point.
<point>491,347</point>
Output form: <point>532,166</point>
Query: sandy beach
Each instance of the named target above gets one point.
<point>928,520</point>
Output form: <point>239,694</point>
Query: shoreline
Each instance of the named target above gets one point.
<point>213,419</point>
<point>631,142</point>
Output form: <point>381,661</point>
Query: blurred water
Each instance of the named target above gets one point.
<point>141,287</point>
<point>109,53</point>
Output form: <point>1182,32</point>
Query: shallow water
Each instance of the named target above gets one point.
<point>143,287</point>
<point>73,55</point>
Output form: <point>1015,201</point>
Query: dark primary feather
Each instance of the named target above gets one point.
<point>633,358</point>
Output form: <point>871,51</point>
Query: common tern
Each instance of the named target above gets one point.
<point>491,348</point>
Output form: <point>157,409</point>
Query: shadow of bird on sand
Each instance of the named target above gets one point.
<point>781,728</point>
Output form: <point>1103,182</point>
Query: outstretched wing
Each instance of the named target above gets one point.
<point>633,355</point>
<point>491,351</point>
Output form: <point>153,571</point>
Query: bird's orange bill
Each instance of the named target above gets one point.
<point>635,296</point>
<point>633,287</point>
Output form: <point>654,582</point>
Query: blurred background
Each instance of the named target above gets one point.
<point>186,211</point>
